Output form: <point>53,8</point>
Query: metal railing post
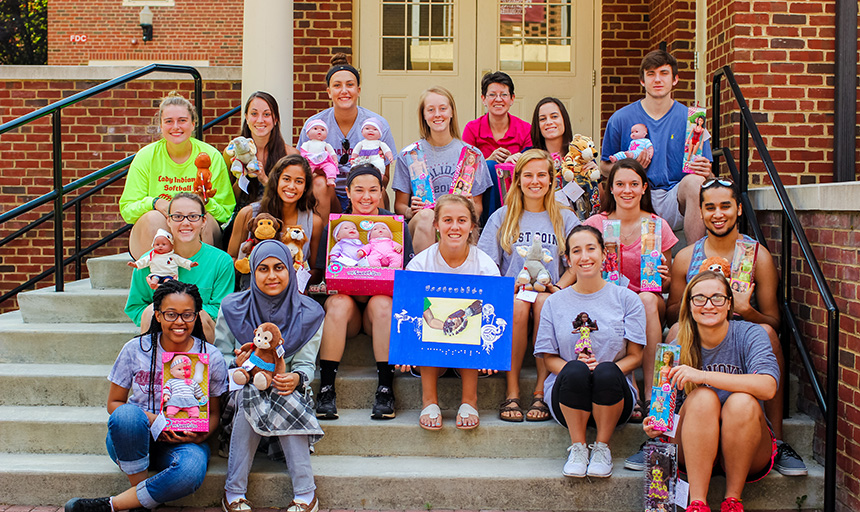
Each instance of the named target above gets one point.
<point>57,143</point>
<point>830,433</point>
<point>785,262</point>
<point>78,241</point>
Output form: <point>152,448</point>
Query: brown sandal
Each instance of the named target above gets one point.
<point>508,406</point>
<point>540,406</point>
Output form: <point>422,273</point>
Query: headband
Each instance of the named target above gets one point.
<point>342,67</point>
<point>360,170</point>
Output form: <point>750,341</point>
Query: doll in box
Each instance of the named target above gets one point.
<point>163,263</point>
<point>183,391</point>
<point>639,142</point>
<point>371,150</point>
<point>465,174</point>
<point>347,244</point>
<point>381,250</point>
<point>319,153</point>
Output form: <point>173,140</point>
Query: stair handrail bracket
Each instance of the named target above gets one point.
<point>791,229</point>
<point>113,172</point>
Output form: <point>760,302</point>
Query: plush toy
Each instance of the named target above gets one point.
<point>581,152</point>
<point>163,263</point>
<point>183,391</point>
<point>381,250</point>
<point>717,264</point>
<point>243,157</point>
<point>203,180</point>
<point>263,358</point>
<point>262,227</point>
<point>534,275</point>
<point>294,238</point>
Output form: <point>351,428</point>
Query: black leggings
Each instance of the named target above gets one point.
<point>578,388</point>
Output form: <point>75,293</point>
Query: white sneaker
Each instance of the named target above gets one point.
<point>600,464</point>
<point>577,461</point>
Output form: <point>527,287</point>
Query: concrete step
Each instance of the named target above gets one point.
<point>34,429</point>
<point>79,301</point>
<point>110,271</point>
<point>77,385</point>
<point>75,343</point>
<point>412,483</point>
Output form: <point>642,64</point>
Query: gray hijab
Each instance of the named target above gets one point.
<point>296,315</point>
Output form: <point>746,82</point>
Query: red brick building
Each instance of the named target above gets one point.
<point>782,53</point>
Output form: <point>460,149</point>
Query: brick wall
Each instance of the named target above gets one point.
<point>320,31</point>
<point>96,133</point>
<point>189,30</point>
<point>674,21</point>
<point>782,54</point>
<point>625,34</point>
<point>835,240</point>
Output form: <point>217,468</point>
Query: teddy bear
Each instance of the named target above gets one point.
<point>581,152</point>
<point>262,227</point>
<point>534,275</point>
<point>203,179</point>
<point>294,238</point>
<point>243,157</point>
<point>262,358</point>
<point>717,264</point>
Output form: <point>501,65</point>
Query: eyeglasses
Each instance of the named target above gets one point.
<point>718,300</point>
<point>713,181</point>
<point>187,316</point>
<point>344,158</point>
<point>491,96</point>
<point>193,217</point>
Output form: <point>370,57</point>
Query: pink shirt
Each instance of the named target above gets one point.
<point>630,261</point>
<point>479,134</point>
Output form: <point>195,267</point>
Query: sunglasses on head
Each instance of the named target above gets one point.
<point>714,181</point>
<point>344,158</point>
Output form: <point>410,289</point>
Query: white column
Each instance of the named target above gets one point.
<point>267,55</point>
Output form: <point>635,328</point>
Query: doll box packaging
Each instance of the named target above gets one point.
<point>661,471</point>
<point>743,263</point>
<point>612,241</point>
<point>651,240</point>
<point>421,185</point>
<point>504,173</point>
<point>696,136</point>
<point>362,255</point>
<point>663,395</point>
<point>464,175</point>
<point>185,391</point>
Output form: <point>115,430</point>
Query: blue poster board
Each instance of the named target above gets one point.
<point>451,320</point>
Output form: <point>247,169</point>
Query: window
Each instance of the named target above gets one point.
<point>418,35</point>
<point>534,35</point>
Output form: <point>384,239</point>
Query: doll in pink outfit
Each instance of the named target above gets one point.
<point>347,244</point>
<point>381,250</point>
<point>318,152</point>
<point>371,150</point>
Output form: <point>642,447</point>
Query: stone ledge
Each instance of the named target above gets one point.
<point>11,73</point>
<point>831,197</point>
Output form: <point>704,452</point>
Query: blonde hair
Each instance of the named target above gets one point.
<point>175,99</point>
<point>688,333</point>
<point>509,231</point>
<point>463,201</point>
<point>423,128</point>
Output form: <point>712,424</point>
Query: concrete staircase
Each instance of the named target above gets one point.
<point>53,389</point>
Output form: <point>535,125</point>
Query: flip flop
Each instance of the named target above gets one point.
<point>432,411</point>
<point>463,413</point>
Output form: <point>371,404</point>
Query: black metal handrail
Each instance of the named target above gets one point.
<point>60,190</point>
<point>790,225</point>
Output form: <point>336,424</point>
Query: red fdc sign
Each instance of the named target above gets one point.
<point>78,38</point>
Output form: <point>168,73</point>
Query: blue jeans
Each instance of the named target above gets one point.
<point>181,467</point>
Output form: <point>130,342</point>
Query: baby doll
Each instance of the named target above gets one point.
<point>371,150</point>
<point>381,250</point>
<point>318,152</point>
<point>182,392</point>
<point>347,244</point>
<point>639,143</point>
<point>163,263</point>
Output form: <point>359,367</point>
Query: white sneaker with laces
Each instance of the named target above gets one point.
<point>577,461</point>
<point>600,465</point>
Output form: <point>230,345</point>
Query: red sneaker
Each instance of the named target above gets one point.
<point>698,506</point>
<point>732,505</point>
